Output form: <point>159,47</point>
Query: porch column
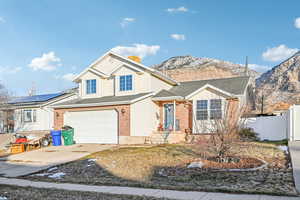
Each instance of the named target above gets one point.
<point>174,113</point>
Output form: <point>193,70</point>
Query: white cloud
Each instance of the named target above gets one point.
<point>259,68</point>
<point>178,36</point>
<point>297,23</point>
<point>2,20</point>
<point>69,76</point>
<point>141,50</point>
<point>176,10</point>
<point>126,21</point>
<point>66,77</point>
<point>9,70</point>
<point>47,62</point>
<point>278,53</point>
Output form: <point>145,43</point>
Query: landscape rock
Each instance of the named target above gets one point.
<point>196,165</point>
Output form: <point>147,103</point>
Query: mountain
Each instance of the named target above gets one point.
<point>280,84</point>
<point>186,68</point>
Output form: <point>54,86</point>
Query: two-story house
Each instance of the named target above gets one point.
<point>121,101</point>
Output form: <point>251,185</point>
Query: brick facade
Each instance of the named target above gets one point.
<point>123,113</point>
<point>184,113</point>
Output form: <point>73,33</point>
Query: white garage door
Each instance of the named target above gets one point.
<point>93,126</point>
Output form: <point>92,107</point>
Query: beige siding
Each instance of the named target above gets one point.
<point>143,82</point>
<point>157,84</point>
<point>87,76</point>
<point>143,117</point>
<point>202,126</point>
<point>108,65</point>
<point>140,82</point>
<point>44,117</point>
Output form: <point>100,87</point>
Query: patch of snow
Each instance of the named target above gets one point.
<point>196,165</point>
<point>57,175</point>
<point>283,148</point>
<point>92,160</point>
<point>162,172</point>
<point>3,198</point>
<point>43,174</point>
<point>52,169</point>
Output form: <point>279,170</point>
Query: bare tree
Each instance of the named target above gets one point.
<point>224,131</point>
<point>6,113</point>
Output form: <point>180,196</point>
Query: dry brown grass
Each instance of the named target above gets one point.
<point>138,163</point>
<point>165,167</point>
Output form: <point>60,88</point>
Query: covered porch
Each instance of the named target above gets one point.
<point>175,120</point>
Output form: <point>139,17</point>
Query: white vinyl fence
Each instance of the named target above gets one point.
<point>293,127</point>
<point>269,127</point>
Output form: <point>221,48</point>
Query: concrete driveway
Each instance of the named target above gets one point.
<point>33,161</point>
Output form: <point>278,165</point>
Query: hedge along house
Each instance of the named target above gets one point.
<point>121,101</point>
<point>32,114</point>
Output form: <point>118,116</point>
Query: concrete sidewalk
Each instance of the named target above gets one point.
<point>172,194</point>
<point>294,148</point>
<point>37,160</point>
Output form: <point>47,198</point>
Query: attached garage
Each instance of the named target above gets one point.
<point>96,126</point>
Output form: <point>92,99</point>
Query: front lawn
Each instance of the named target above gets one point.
<point>165,167</point>
<point>25,193</point>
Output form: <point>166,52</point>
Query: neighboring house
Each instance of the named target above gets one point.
<point>121,101</point>
<point>32,113</point>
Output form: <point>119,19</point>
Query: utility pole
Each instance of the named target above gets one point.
<point>262,104</point>
<point>246,67</point>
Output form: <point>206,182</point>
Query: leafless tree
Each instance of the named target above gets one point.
<point>5,111</point>
<point>224,132</point>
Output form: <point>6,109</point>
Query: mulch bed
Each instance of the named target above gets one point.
<point>243,163</point>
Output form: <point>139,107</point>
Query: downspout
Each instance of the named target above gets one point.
<point>174,117</point>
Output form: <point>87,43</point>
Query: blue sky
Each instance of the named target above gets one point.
<point>47,42</point>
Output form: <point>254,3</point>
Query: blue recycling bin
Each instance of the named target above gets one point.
<point>56,137</point>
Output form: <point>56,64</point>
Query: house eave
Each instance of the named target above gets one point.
<point>103,103</point>
<point>92,104</point>
<point>167,98</point>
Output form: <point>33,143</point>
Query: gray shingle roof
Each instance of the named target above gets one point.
<point>235,85</point>
<point>164,93</point>
<point>105,100</point>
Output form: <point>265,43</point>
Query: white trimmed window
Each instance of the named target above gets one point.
<point>209,109</point>
<point>91,86</point>
<point>202,110</point>
<point>125,83</point>
<point>215,109</point>
<point>28,115</point>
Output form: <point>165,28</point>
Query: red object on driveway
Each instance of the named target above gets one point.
<point>21,140</point>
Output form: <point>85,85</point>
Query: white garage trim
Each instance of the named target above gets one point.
<point>94,126</point>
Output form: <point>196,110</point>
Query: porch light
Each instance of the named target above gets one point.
<point>123,110</point>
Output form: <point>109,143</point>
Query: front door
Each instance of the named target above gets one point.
<point>169,116</point>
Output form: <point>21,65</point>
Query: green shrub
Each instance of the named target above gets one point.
<point>248,134</point>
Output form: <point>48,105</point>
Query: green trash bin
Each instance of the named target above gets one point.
<point>68,135</point>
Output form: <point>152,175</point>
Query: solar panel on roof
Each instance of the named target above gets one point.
<point>35,98</point>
